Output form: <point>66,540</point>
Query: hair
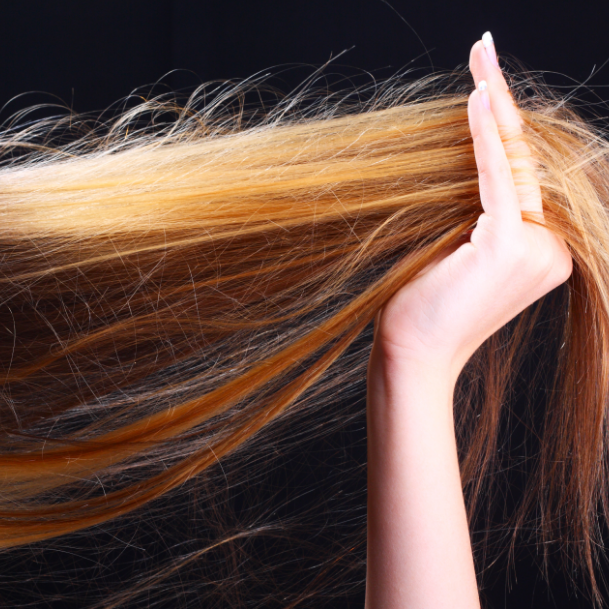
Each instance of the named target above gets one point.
<point>185,278</point>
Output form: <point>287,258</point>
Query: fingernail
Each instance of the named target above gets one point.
<point>489,47</point>
<point>486,100</point>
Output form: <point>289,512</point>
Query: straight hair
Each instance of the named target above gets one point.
<point>178,280</point>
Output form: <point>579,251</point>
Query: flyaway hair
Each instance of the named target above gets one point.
<point>176,283</point>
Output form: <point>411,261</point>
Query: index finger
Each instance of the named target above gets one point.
<point>498,193</point>
<point>509,125</point>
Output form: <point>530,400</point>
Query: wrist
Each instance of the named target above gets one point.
<point>397,385</point>
<point>421,366</point>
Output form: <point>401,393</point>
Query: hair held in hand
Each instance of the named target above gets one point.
<point>176,281</point>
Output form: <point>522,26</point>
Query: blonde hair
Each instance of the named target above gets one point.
<point>168,293</point>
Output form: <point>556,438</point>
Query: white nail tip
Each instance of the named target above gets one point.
<point>482,86</point>
<point>487,39</point>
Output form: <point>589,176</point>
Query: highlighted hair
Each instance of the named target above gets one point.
<point>166,294</point>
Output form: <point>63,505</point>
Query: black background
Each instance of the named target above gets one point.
<point>91,54</point>
<point>88,55</point>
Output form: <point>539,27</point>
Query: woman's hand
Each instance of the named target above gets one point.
<point>445,314</point>
<point>419,551</point>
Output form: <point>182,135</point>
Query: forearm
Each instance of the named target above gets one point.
<point>419,552</point>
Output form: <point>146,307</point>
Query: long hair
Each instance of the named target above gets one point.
<point>168,292</point>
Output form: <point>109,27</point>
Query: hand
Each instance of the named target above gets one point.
<point>446,313</point>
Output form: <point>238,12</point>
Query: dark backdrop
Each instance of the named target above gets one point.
<point>87,55</point>
<point>90,54</point>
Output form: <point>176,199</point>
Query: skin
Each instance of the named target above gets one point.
<point>419,550</point>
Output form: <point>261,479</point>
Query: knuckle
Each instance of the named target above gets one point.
<point>478,140</point>
<point>482,134</point>
<point>563,268</point>
<point>554,267</point>
<point>503,171</point>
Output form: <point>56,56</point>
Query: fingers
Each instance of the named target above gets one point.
<point>509,125</point>
<point>497,191</point>
<point>504,109</point>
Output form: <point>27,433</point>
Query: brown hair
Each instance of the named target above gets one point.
<point>166,294</point>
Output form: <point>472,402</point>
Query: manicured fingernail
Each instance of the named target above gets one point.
<point>486,100</point>
<point>489,46</point>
